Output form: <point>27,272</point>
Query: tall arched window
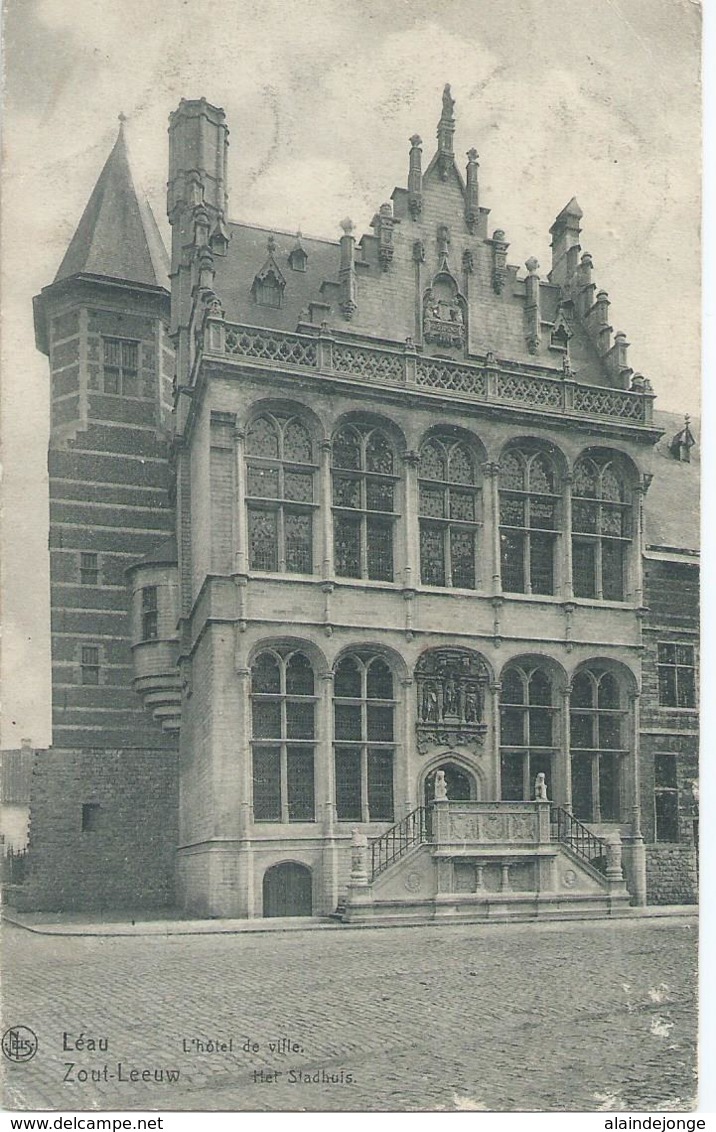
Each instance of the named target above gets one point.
<point>448,513</point>
<point>527,730</point>
<point>529,503</point>
<point>363,503</point>
<point>364,708</point>
<point>283,734</point>
<point>601,528</point>
<point>280,471</point>
<point>597,723</point>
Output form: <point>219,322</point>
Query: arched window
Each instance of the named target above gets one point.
<point>529,504</point>
<point>597,722</point>
<point>283,734</point>
<point>280,471</point>
<point>527,731</point>
<point>364,742</point>
<point>448,513</point>
<point>363,503</point>
<point>601,528</point>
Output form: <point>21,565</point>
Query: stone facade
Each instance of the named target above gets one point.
<point>408,485</point>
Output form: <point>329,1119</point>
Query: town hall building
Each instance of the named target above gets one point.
<point>374,571</point>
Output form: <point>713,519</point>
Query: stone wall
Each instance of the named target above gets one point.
<point>127,801</point>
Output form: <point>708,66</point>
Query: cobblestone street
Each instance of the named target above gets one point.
<point>581,1016</point>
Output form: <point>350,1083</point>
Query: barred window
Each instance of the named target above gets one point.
<point>150,613</point>
<point>89,664</point>
<point>448,504</point>
<point>283,734</point>
<point>364,741</point>
<point>666,798</point>
<point>597,721</point>
<point>280,473</point>
<point>529,509</point>
<point>677,675</point>
<point>89,569</point>
<point>527,731</point>
<point>601,528</point>
<point>121,367</point>
<point>363,503</point>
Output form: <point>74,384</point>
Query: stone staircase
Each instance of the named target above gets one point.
<point>476,861</point>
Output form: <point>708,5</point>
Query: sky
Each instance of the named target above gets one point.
<point>594,98</point>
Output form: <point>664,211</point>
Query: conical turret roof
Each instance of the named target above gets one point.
<point>117,236</point>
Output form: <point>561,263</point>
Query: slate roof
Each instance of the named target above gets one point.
<point>671,508</point>
<point>248,252</point>
<point>117,236</point>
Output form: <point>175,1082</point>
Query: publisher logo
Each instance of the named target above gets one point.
<point>19,1043</point>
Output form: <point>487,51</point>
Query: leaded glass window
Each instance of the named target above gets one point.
<point>601,528</point>
<point>283,709</point>
<point>527,731</point>
<point>597,741</point>
<point>448,505</point>
<point>280,473</point>
<point>364,709</point>
<point>529,519</point>
<point>364,483</point>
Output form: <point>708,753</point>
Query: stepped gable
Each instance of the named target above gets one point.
<point>117,236</point>
<point>432,255</point>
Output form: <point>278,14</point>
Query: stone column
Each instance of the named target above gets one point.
<point>567,589</point>
<point>491,525</point>
<point>637,559</point>
<point>406,772</point>
<point>246,854</point>
<point>241,548</point>
<point>325,770</point>
<point>326,511</point>
<point>635,855</point>
<point>359,896</point>
<point>495,688</point>
<point>411,575</point>
<point>565,755</point>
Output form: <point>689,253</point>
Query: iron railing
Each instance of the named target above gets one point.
<point>567,829</point>
<point>395,842</point>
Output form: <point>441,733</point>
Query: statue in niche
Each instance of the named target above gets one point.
<point>440,786</point>
<point>444,313</point>
<point>450,686</point>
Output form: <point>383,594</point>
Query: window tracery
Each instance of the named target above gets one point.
<point>364,484</point>
<point>601,528</point>
<point>448,509</point>
<point>529,515</point>
<point>364,708</point>
<point>280,473</point>
<point>283,733</point>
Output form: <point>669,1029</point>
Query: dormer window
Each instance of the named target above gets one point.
<point>267,292</point>
<point>268,285</point>
<point>298,257</point>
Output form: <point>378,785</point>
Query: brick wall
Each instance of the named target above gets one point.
<point>672,598</point>
<point>126,860</point>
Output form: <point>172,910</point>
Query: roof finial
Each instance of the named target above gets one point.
<point>446,129</point>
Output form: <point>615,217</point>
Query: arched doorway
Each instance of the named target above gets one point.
<point>288,890</point>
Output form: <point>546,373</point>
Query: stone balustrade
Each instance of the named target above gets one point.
<point>487,380</point>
